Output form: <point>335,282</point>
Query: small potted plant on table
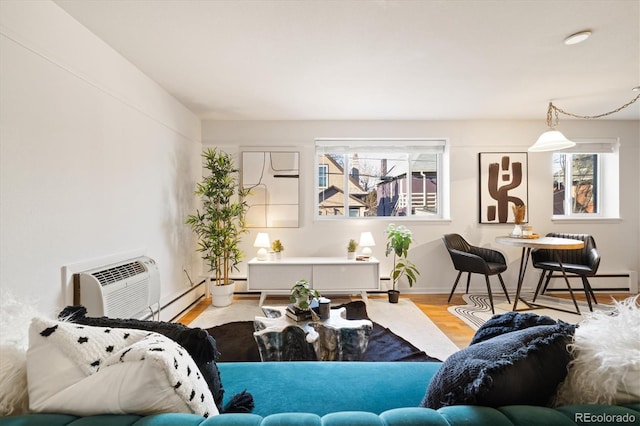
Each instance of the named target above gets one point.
<point>301,297</point>
<point>277,248</point>
<point>399,238</point>
<point>351,249</point>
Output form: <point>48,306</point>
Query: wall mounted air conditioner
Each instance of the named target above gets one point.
<point>127,289</point>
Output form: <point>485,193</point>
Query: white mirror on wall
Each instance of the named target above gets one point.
<point>272,178</point>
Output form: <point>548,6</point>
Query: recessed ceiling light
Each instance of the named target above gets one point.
<point>578,37</point>
<point>636,89</point>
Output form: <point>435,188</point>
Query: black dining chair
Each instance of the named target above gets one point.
<point>475,260</point>
<point>583,262</point>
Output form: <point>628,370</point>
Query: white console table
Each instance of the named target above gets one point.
<point>328,275</point>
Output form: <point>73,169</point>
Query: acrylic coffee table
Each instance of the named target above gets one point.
<point>280,338</point>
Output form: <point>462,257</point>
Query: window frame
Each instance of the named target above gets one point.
<point>346,146</point>
<point>569,197</point>
<point>607,180</point>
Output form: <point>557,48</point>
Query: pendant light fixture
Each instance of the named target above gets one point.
<point>553,140</point>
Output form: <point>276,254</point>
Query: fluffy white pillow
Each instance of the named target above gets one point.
<point>82,370</point>
<point>15,316</point>
<point>13,381</point>
<point>606,364</point>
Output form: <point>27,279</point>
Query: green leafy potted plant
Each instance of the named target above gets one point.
<point>351,249</point>
<point>302,294</point>
<point>277,248</point>
<point>399,238</point>
<point>220,224</point>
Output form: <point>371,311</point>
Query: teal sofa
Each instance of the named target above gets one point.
<point>346,394</point>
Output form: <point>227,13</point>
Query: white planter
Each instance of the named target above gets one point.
<point>351,255</point>
<point>221,295</point>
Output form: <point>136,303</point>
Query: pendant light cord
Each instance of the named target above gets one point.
<point>552,113</point>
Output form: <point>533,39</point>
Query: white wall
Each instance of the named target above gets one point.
<point>618,240</point>
<point>95,159</point>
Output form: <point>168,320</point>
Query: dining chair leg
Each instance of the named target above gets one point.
<point>454,286</point>
<point>468,281</point>
<point>588,291</point>
<point>486,277</point>
<point>504,288</point>
<point>593,295</point>
<point>566,280</point>
<point>546,283</point>
<point>535,295</point>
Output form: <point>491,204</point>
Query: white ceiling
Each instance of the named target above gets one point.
<point>378,60</point>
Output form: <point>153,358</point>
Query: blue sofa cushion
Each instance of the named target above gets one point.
<point>328,387</point>
<point>519,367</point>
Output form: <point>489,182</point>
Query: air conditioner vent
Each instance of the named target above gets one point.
<point>128,289</point>
<point>119,273</point>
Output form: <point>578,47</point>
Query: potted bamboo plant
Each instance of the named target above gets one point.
<point>399,238</point>
<point>220,224</point>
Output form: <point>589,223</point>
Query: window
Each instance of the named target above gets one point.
<point>380,178</point>
<point>586,181</point>
<point>323,176</point>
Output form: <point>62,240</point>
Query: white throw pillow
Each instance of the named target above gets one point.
<point>606,364</point>
<point>82,370</point>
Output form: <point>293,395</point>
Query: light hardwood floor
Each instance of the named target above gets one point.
<point>433,305</point>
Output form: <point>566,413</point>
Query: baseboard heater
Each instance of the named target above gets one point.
<point>562,287</point>
<point>127,289</point>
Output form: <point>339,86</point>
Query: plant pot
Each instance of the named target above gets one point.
<point>351,255</point>
<point>222,295</point>
<point>393,296</point>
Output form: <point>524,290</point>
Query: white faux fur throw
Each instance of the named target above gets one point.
<point>15,317</point>
<point>606,364</point>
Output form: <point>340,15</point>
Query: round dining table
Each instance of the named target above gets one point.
<point>548,243</point>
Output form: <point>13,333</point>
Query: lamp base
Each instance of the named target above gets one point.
<point>367,252</point>
<point>262,254</point>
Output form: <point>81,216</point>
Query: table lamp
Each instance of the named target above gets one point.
<point>262,242</point>
<point>366,242</point>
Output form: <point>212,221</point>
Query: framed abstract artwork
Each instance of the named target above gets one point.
<point>272,180</point>
<point>503,184</point>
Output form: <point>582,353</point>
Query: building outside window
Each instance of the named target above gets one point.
<point>586,180</point>
<point>380,178</point>
<point>323,176</point>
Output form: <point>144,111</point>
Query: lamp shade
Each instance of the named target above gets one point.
<point>263,243</point>
<point>551,140</point>
<point>262,240</point>
<point>366,241</point>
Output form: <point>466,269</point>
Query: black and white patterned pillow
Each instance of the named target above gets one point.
<point>87,346</point>
<point>84,370</point>
<point>200,345</point>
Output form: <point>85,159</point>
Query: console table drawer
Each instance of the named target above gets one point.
<point>346,277</point>
<point>277,277</point>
